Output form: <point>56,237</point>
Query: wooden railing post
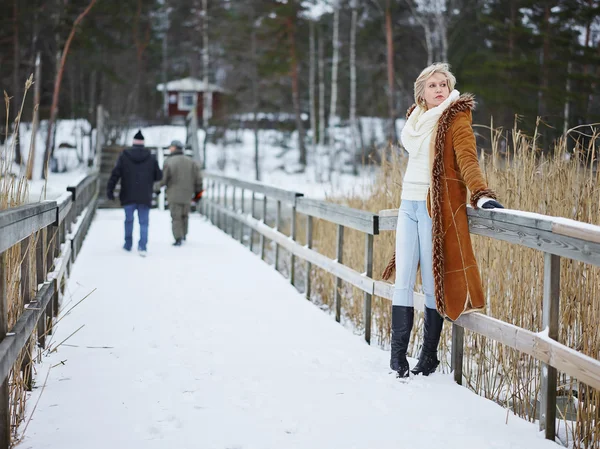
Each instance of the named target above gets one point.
<point>293,236</point>
<point>4,390</point>
<point>26,252</point>
<point>309,244</point>
<point>242,209</point>
<point>368,296</point>
<point>41,271</point>
<point>550,318</point>
<point>225,206</point>
<point>220,203</point>
<point>456,362</point>
<point>252,213</point>
<point>233,221</point>
<point>262,237</point>
<point>339,251</point>
<point>212,196</point>
<point>277,226</point>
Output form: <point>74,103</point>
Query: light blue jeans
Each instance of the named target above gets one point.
<point>413,245</point>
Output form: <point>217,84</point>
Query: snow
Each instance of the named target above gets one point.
<point>187,348</point>
<point>189,85</point>
<point>316,9</point>
<point>555,220</point>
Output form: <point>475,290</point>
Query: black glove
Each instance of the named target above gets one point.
<point>492,204</point>
<point>110,196</point>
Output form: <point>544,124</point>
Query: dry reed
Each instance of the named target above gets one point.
<point>18,260</point>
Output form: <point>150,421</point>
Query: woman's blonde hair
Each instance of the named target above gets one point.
<point>438,67</point>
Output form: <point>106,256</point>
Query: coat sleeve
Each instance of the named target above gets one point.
<point>166,174</point>
<point>157,171</point>
<point>197,177</point>
<point>115,175</point>
<point>465,150</point>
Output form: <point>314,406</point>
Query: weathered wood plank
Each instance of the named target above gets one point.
<point>309,244</point>
<point>294,216</point>
<point>4,390</point>
<point>11,345</point>
<point>458,349</point>
<point>560,245</point>
<point>554,238</point>
<point>368,296</point>
<point>257,187</point>
<point>583,368</point>
<point>339,270</point>
<point>341,215</point>
<point>15,214</point>
<point>339,251</point>
<point>550,319</point>
<point>13,233</point>
<point>518,218</point>
<point>571,230</point>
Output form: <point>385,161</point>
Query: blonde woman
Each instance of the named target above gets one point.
<point>432,229</point>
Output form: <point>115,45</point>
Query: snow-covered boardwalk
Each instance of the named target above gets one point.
<point>205,346</point>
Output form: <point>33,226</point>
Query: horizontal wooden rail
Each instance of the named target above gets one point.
<point>15,340</point>
<point>257,187</point>
<point>20,222</point>
<point>341,215</point>
<point>565,238</point>
<point>342,271</point>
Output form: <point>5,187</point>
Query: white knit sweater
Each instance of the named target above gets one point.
<point>416,137</point>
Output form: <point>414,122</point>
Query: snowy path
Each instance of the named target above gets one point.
<point>204,346</point>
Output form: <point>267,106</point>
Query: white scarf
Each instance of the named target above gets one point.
<point>421,123</point>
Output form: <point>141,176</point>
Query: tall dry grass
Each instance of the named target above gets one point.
<point>18,260</point>
<point>564,183</point>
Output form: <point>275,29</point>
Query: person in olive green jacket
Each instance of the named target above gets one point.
<point>181,176</point>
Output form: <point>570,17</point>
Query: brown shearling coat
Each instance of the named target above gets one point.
<point>455,167</point>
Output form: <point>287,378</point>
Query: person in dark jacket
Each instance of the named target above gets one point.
<point>183,181</point>
<point>138,170</point>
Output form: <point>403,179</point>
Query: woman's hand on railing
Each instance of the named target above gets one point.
<point>488,203</point>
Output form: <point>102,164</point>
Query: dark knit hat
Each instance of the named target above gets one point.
<point>138,139</point>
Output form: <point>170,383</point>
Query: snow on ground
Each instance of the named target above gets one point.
<point>205,346</point>
<point>57,184</point>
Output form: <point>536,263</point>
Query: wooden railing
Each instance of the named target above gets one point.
<point>51,234</point>
<point>556,237</point>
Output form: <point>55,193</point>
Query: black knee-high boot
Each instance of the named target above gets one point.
<point>402,323</point>
<point>428,361</point>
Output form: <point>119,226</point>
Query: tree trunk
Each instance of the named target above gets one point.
<point>511,29</point>
<point>296,92</point>
<point>164,71</point>
<point>16,83</point>
<point>311,88</point>
<point>334,73</point>
<point>207,96</point>
<point>37,86</point>
<point>334,88</point>
<point>57,83</point>
<point>321,91</point>
<point>255,102</point>
<point>542,106</point>
<point>390,64</point>
<point>567,98</point>
<point>353,129</point>
<point>140,44</point>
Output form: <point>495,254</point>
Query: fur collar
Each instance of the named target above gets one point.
<point>465,102</point>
